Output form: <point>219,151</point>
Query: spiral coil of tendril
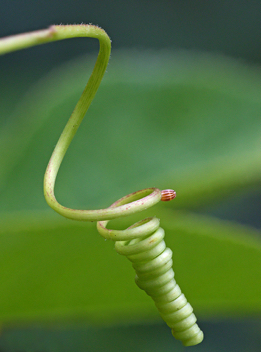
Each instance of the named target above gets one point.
<point>143,244</point>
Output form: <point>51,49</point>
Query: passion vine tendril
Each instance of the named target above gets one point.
<point>142,243</point>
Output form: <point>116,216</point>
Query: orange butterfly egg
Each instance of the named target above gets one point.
<point>168,194</point>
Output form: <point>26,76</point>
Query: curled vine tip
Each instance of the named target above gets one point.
<point>167,195</point>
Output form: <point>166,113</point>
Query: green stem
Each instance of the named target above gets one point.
<point>53,33</point>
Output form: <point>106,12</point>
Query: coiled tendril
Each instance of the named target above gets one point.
<point>142,243</point>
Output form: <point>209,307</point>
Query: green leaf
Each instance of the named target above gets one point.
<point>173,120</point>
<point>53,268</point>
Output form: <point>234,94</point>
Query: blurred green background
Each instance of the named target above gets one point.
<point>178,108</point>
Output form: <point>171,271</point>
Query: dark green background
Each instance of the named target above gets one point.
<point>231,28</point>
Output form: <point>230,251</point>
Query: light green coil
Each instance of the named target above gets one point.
<point>143,244</point>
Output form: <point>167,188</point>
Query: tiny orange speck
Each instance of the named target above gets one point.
<point>168,194</point>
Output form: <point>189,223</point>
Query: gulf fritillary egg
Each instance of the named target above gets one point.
<point>167,194</point>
